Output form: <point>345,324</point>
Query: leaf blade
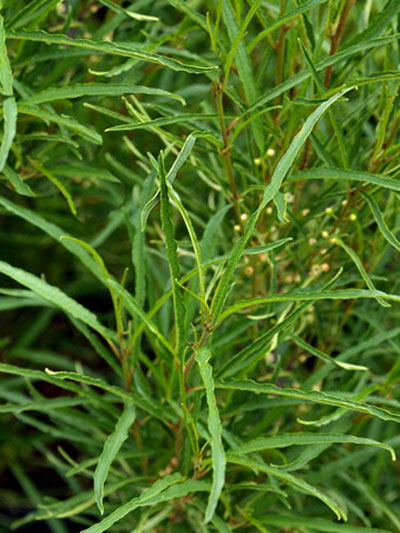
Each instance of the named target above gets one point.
<point>110,450</point>
<point>94,89</point>
<point>215,429</point>
<point>55,296</point>
<point>284,440</point>
<point>10,111</point>
<point>104,47</point>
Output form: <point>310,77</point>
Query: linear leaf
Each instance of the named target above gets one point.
<point>209,236</point>
<point>63,380</point>
<point>305,439</point>
<point>17,182</point>
<point>55,296</point>
<point>147,404</point>
<point>317,524</point>
<point>55,232</point>
<point>10,111</point>
<point>44,114</point>
<point>139,258</point>
<point>162,121</point>
<point>148,495</point>
<point>58,184</point>
<point>238,39</point>
<point>325,357</point>
<point>310,396</point>
<point>291,480</point>
<point>105,47</point>
<point>193,239</point>
<point>360,267</point>
<point>378,23</point>
<point>346,175</point>
<point>44,406</point>
<point>381,222</point>
<point>190,12</point>
<point>306,6</point>
<point>291,82</point>
<point>110,450</point>
<point>32,11</point>
<point>243,66</point>
<point>74,505</point>
<point>215,428</point>
<point>300,296</point>
<point>171,247</point>
<point>83,171</point>
<point>94,89</point>
<point>136,16</point>
<point>173,171</point>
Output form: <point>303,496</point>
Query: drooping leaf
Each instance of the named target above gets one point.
<point>311,396</point>
<point>304,439</point>
<point>346,175</point>
<point>381,222</point>
<point>55,296</point>
<point>293,481</point>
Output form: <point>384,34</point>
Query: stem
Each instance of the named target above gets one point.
<point>280,56</point>
<point>226,151</point>
<point>335,39</point>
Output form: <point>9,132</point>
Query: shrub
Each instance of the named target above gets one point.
<point>199,265</point>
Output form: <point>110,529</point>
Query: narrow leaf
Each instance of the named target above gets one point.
<point>105,47</point>
<point>110,450</point>
<point>291,480</point>
<point>148,495</point>
<point>311,396</point>
<point>118,9</point>
<point>346,175</point>
<point>215,428</point>
<point>325,357</point>
<point>55,296</point>
<point>317,524</point>
<point>32,11</point>
<point>171,247</point>
<point>301,296</point>
<point>17,182</point>
<point>381,222</point>
<point>305,439</point>
<point>94,89</point>
<point>9,106</point>
<point>44,114</point>
<point>360,267</point>
<point>179,161</point>
<point>243,65</point>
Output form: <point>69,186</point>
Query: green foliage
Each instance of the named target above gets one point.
<point>199,271</point>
